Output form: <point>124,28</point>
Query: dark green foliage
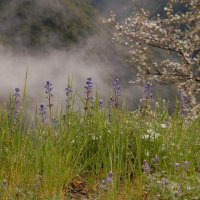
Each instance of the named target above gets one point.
<point>37,23</point>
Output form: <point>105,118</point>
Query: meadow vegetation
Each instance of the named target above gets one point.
<point>93,149</point>
<point>100,151</point>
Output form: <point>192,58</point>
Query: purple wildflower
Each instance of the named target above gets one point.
<point>114,100</point>
<point>89,99</point>
<point>100,103</point>
<point>107,181</point>
<point>116,87</point>
<point>148,91</point>
<point>54,122</point>
<point>109,177</point>
<point>155,159</point>
<point>92,100</point>
<point>147,99</point>
<point>164,182</point>
<point>186,165</point>
<point>177,165</point>
<point>16,96</point>
<point>145,167</point>
<point>48,90</point>
<point>42,111</point>
<point>88,85</point>
<point>184,102</point>
<point>68,90</point>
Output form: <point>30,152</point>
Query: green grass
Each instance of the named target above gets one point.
<point>38,161</point>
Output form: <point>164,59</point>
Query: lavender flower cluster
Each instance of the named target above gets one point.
<point>89,99</point>
<point>114,100</point>
<point>16,96</point>
<point>107,181</point>
<point>184,103</point>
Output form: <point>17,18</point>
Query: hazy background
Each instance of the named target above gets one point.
<point>57,39</point>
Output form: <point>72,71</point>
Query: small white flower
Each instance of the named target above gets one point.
<point>145,137</point>
<point>163,125</point>
<point>150,131</point>
<point>73,141</point>
<point>157,135</point>
<point>94,137</point>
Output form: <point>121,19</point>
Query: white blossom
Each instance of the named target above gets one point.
<point>176,38</point>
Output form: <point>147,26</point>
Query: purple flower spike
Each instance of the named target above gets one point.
<point>89,99</point>
<point>184,103</point>
<point>116,87</point>
<point>68,90</point>
<point>114,100</point>
<point>88,85</point>
<point>186,165</point>
<point>148,91</point>
<point>42,110</point>
<point>164,182</point>
<point>106,182</point>
<point>48,90</point>
<point>100,103</point>
<point>16,96</point>
<point>177,165</point>
<point>54,122</point>
<point>109,177</point>
<point>145,167</point>
<point>155,159</point>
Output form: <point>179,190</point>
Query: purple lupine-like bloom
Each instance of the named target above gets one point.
<point>54,122</point>
<point>155,159</point>
<point>145,167</point>
<point>164,182</point>
<point>15,105</point>
<point>106,182</point>
<point>148,91</point>
<point>68,90</point>
<point>177,165</point>
<point>186,165</point>
<point>114,100</point>
<point>89,99</point>
<point>88,85</point>
<point>16,96</point>
<point>110,177</point>
<point>49,89</point>
<point>184,102</point>
<point>116,87</point>
<point>42,111</point>
<point>100,102</point>
<point>92,100</point>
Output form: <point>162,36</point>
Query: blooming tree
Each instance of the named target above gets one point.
<point>165,47</point>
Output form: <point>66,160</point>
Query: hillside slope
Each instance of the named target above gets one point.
<point>40,23</point>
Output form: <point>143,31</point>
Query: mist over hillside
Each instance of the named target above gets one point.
<point>57,39</point>
<point>41,24</point>
<point>37,24</point>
